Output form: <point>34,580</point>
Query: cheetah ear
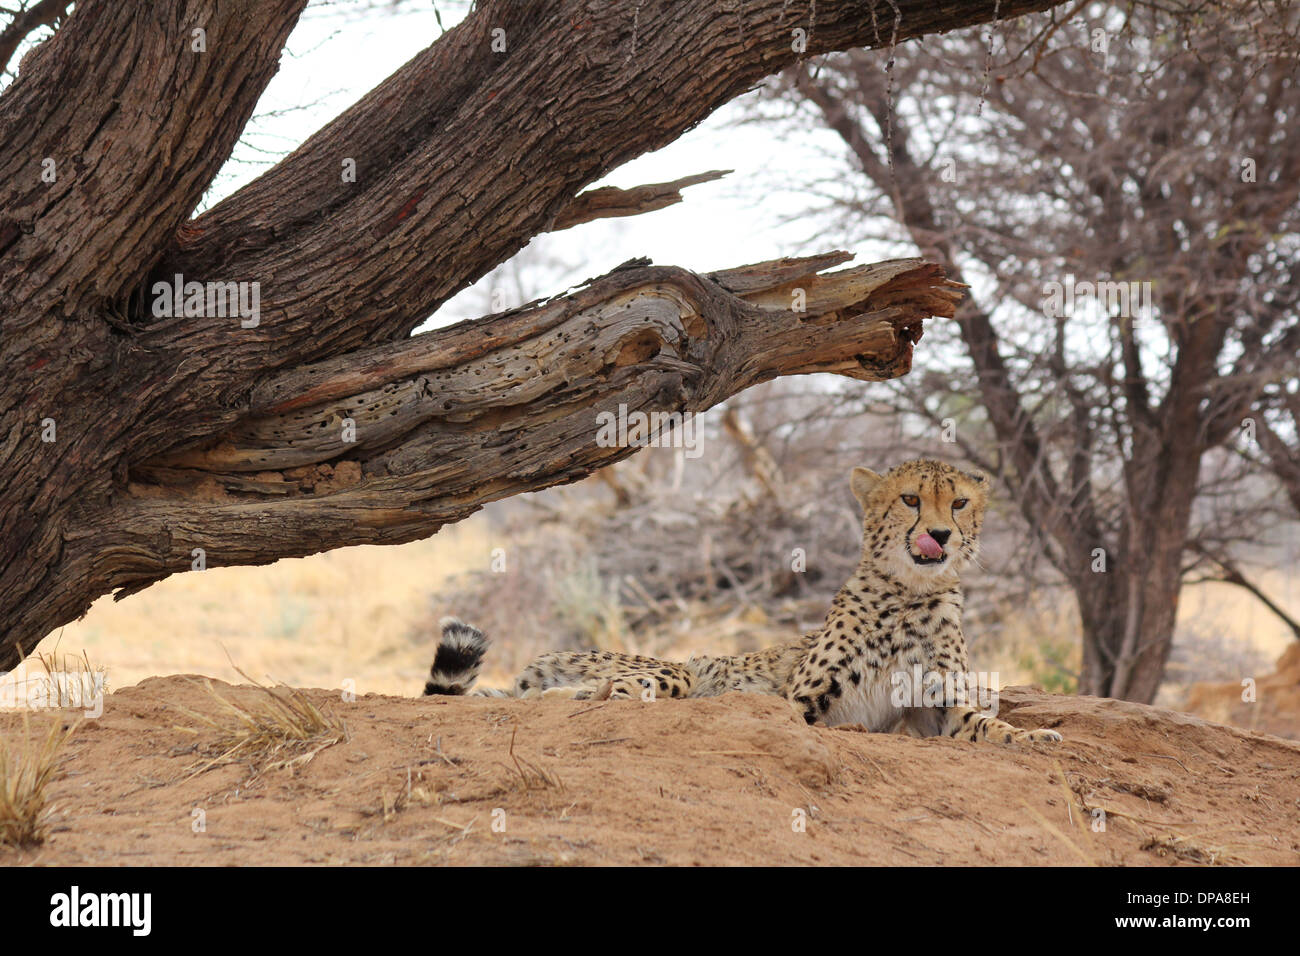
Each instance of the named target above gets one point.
<point>977,476</point>
<point>862,481</point>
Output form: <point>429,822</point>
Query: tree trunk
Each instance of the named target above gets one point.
<point>1128,622</point>
<point>134,445</point>
<point>1130,612</point>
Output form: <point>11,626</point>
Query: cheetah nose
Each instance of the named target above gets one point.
<point>941,535</point>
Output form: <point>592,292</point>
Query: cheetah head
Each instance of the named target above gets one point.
<point>921,520</point>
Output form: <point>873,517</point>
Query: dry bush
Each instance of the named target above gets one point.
<point>668,575</point>
<point>1027,639</point>
<point>666,556</point>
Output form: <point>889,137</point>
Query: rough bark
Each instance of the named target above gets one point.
<point>462,156</point>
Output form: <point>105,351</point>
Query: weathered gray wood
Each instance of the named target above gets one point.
<point>645,317</point>
<point>518,416</point>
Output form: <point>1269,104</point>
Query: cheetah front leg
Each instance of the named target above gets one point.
<point>967,723</point>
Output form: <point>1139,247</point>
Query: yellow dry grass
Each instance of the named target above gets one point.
<point>1230,611</point>
<point>278,728</point>
<point>27,766</point>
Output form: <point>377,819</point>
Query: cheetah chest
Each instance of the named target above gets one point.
<point>868,702</point>
<point>869,691</point>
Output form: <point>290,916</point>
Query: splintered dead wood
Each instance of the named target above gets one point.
<point>427,411</point>
<point>724,331</point>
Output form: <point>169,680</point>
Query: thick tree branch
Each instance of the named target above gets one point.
<point>431,174</point>
<point>102,158</point>
<point>858,322</point>
<point>451,419</point>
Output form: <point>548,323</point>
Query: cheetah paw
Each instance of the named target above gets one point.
<point>1039,736</point>
<point>578,691</point>
<point>567,693</point>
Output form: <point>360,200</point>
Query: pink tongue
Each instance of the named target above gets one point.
<point>929,547</point>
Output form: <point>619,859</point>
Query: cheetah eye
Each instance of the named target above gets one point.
<point>960,503</point>
<point>911,501</point>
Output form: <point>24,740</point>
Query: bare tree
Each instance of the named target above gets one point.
<point>1121,192</point>
<point>137,443</point>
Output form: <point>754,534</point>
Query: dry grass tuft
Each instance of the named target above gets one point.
<point>53,681</point>
<point>531,776</point>
<point>26,772</point>
<point>70,680</point>
<point>284,729</point>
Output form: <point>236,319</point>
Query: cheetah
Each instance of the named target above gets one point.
<point>890,656</point>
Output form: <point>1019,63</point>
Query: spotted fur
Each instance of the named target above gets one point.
<point>899,614</point>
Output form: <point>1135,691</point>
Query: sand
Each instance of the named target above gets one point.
<point>733,780</point>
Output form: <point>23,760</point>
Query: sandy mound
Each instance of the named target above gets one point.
<point>1275,710</point>
<point>726,781</point>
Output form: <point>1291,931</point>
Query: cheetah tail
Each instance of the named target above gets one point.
<point>458,658</point>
